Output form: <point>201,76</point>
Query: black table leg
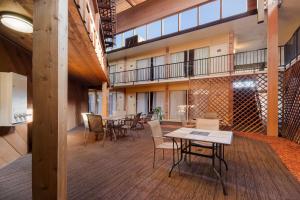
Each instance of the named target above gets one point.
<point>218,173</point>
<point>179,160</point>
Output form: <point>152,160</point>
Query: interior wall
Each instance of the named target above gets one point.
<point>14,141</point>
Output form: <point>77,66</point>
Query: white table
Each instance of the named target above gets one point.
<point>217,138</point>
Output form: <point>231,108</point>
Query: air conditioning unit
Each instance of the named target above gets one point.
<point>13,99</point>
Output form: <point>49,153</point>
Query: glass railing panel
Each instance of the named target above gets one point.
<point>141,32</point>
<point>154,30</point>
<point>209,12</point>
<point>188,19</point>
<point>233,7</point>
<point>170,24</point>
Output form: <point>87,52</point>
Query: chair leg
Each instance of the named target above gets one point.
<point>104,136</point>
<point>163,151</point>
<point>154,157</point>
<point>178,160</point>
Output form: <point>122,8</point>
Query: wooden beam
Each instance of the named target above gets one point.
<point>105,96</point>
<point>273,63</point>
<point>50,79</point>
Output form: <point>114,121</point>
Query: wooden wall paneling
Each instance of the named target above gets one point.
<point>50,83</point>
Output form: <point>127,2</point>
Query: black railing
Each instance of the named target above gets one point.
<point>292,49</point>
<point>248,61</point>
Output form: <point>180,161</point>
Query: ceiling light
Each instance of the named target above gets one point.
<point>16,22</point>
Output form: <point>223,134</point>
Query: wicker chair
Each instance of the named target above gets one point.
<point>159,141</point>
<point>86,126</point>
<point>96,126</point>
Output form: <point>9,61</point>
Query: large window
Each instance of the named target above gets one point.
<point>127,34</point>
<point>154,30</point>
<point>188,19</point>
<point>233,7</point>
<point>141,32</point>
<point>170,24</point>
<point>209,12</point>
<point>119,41</point>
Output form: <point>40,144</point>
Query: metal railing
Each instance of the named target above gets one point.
<point>291,50</point>
<point>248,61</point>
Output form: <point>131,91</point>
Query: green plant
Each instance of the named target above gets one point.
<point>158,112</point>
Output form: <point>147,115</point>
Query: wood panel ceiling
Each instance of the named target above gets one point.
<point>123,5</point>
<point>83,62</point>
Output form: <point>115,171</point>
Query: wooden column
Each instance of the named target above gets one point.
<point>273,63</point>
<point>50,82</point>
<point>105,96</point>
<point>167,107</point>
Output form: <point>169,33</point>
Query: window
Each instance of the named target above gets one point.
<point>188,19</point>
<point>119,41</point>
<point>209,12</point>
<point>127,34</point>
<point>154,30</point>
<point>170,24</point>
<point>141,33</point>
<point>233,7</point>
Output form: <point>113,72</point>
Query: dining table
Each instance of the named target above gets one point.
<point>218,139</point>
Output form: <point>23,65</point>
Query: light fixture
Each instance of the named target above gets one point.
<point>16,22</point>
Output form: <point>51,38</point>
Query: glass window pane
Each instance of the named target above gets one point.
<point>188,19</point>
<point>170,24</point>
<point>154,30</point>
<point>233,7</point>
<point>209,12</point>
<point>119,41</point>
<point>127,34</point>
<point>141,32</point>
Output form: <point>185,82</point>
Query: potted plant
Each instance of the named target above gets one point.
<point>158,112</point>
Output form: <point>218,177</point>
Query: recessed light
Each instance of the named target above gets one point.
<point>16,22</point>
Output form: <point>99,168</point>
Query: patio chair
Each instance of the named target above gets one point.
<point>146,119</point>
<point>131,125</point>
<point>159,141</point>
<point>96,126</point>
<point>86,126</point>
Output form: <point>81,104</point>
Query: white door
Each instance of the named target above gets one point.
<point>92,102</point>
<point>99,103</point>
<point>177,104</point>
<point>201,56</point>
<point>131,103</point>
<point>158,100</point>
<point>177,67</point>
<point>112,103</point>
<point>143,69</point>
<point>159,67</point>
<point>219,63</point>
<point>142,102</point>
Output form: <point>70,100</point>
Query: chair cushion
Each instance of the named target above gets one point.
<point>167,145</point>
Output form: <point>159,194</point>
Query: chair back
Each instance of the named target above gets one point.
<point>136,119</point>
<point>149,116</point>
<point>95,123</point>
<point>85,120</point>
<point>211,115</point>
<point>156,132</point>
<point>208,124</point>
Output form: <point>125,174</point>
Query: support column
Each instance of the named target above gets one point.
<point>50,85</point>
<point>105,96</point>
<point>167,107</point>
<point>273,63</point>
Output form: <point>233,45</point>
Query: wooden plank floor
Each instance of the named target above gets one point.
<point>123,170</point>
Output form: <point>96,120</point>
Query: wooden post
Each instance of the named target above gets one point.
<point>273,63</point>
<point>167,107</point>
<point>105,96</point>
<point>50,84</point>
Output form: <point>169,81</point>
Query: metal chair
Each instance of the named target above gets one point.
<point>159,141</point>
<point>131,125</point>
<point>96,126</point>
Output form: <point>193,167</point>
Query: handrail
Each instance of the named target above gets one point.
<point>230,63</point>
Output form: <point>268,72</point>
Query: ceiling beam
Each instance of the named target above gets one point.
<point>130,3</point>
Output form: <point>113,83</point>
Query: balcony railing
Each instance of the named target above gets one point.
<point>250,61</point>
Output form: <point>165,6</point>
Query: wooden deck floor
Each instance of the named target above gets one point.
<point>123,170</point>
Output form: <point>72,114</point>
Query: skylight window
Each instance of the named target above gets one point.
<point>233,7</point>
<point>209,12</point>
<point>188,19</point>
<point>141,32</point>
<point>170,24</point>
<point>154,30</point>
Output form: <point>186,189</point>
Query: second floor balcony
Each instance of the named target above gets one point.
<point>242,62</point>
